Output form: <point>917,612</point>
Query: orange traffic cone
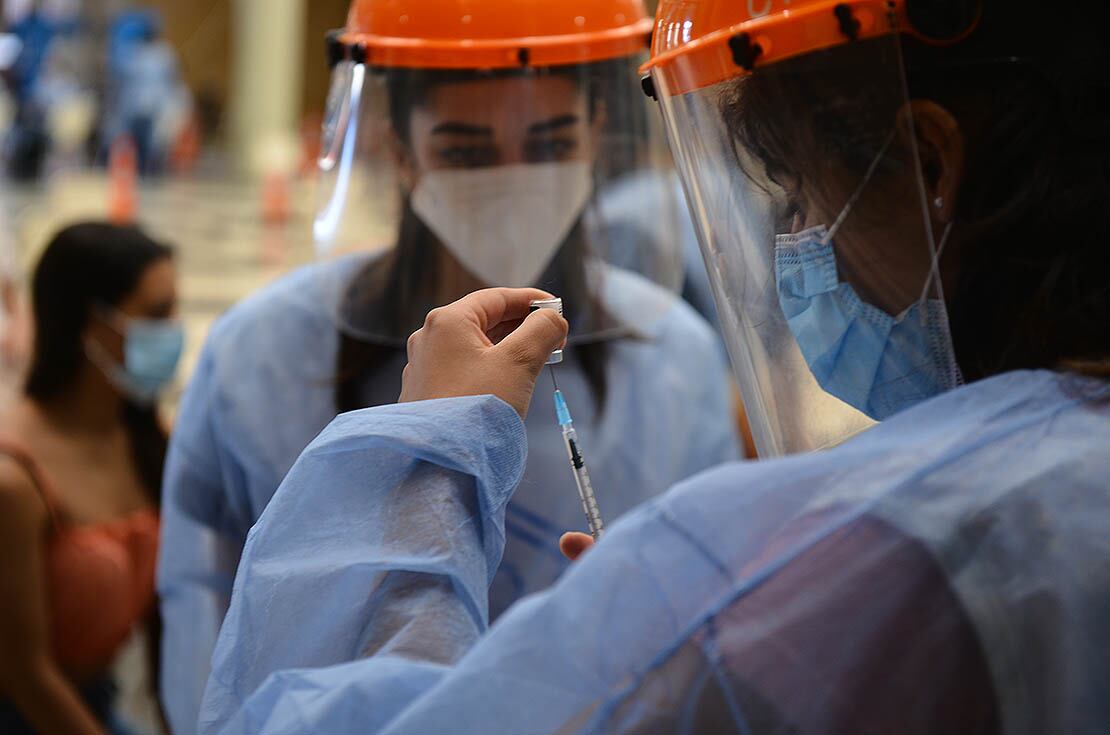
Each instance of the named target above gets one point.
<point>122,181</point>
<point>186,148</point>
<point>275,199</point>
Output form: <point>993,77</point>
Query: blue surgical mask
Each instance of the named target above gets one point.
<point>872,361</point>
<point>152,350</point>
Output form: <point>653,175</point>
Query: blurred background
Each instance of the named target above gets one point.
<point>197,119</point>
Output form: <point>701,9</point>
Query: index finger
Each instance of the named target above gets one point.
<point>574,544</point>
<point>493,306</point>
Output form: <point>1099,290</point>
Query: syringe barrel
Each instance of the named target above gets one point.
<point>585,485</point>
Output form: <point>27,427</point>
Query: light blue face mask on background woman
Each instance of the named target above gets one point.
<point>872,361</point>
<point>151,351</point>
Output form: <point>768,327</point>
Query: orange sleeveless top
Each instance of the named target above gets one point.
<point>100,577</point>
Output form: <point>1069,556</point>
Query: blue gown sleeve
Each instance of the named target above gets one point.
<point>380,544</point>
<point>340,625</point>
<point>882,586</point>
<point>718,408</point>
<point>701,369</point>
<point>199,553</point>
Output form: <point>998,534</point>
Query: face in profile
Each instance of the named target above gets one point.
<point>503,122</point>
<point>153,299</point>
<point>882,243</point>
<point>834,141</point>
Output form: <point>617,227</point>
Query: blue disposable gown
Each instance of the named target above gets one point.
<point>264,388</point>
<point>621,209</point>
<point>947,571</point>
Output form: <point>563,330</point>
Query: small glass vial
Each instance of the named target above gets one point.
<point>554,305</point>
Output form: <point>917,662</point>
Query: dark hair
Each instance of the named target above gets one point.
<point>1031,91</point>
<point>85,266</point>
<point>397,289</point>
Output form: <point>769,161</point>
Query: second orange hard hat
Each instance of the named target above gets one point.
<point>699,43</point>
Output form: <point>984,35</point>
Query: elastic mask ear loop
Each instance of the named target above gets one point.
<point>860,189</point>
<point>955,374</point>
<point>114,318</point>
<point>99,357</point>
<point>934,272</point>
<point>97,352</point>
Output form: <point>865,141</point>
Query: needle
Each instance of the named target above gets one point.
<point>578,465</point>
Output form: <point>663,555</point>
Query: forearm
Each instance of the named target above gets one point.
<point>380,542</point>
<point>48,701</point>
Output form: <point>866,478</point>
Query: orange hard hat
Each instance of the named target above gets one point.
<point>698,43</point>
<point>491,34</point>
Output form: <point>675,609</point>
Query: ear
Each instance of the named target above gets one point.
<point>940,144</point>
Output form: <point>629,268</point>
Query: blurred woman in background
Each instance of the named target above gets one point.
<point>81,457</point>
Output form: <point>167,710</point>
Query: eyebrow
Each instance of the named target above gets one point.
<point>553,124</point>
<point>458,128</point>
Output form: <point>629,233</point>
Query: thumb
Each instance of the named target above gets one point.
<point>532,343</point>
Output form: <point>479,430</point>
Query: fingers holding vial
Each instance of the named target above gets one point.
<point>489,343</point>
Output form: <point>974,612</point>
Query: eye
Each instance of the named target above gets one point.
<point>550,149</point>
<point>474,156</point>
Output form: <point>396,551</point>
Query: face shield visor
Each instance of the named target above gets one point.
<point>436,181</point>
<point>822,212</point>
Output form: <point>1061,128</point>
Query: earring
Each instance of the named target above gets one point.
<point>939,202</point>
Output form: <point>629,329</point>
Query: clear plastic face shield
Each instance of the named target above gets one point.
<point>437,182</point>
<point>823,216</point>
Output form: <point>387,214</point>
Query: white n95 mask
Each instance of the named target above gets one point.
<point>504,223</point>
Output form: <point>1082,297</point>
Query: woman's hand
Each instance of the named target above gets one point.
<point>484,344</point>
<point>574,544</point>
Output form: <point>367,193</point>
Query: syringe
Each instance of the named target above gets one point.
<point>581,476</point>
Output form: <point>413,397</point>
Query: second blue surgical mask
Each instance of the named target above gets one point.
<point>877,363</point>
